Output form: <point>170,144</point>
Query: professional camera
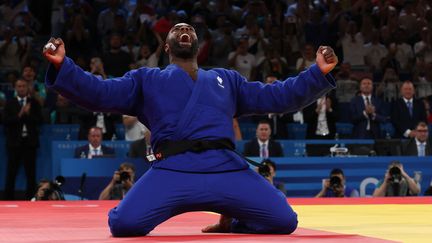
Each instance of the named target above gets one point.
<point>124,176</point>
<point>335,182</point>
<point>395,174</point>
<point>53,191</point>
<point>264,169</point>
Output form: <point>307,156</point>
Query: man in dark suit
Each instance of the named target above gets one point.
<point>95,147</point>
<point>407,112</point>
<point>263,146</point>
<point>420,144</point>
<point>366,112</point>
<point>22,118</point>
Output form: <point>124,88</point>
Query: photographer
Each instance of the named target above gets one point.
<point>335,186</point>
<point>269,172</point>
<point>396,183</point>
<point>47,191</point>
<point>123,179</point>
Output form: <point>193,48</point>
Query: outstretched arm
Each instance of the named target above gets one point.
<point>86,89</point>
<point>293,93</point>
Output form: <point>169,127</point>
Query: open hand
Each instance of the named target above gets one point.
<point>326,59</point>
<point>54,51</point>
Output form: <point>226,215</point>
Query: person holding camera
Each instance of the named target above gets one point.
<point>123,180</point>
<point>268,171</point>
<point>335,186</point>
<point>48,191</point>
<point>396,183</point>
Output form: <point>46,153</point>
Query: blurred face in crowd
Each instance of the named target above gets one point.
<point>115,42</point>
<point>366,86</point>
<point>182,41</point>
<point>21,88</point>
<point>96,64</point>
<point>263,132</point>
<point>407,90</point>
<point>422,132</point>
<point>95,137</point>
<point>29,73</point>
<point>145,51</point>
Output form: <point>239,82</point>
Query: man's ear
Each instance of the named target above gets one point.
<point>167,48</point>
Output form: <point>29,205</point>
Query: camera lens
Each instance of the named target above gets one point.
<point>395,174</point>
<point>335,182</point>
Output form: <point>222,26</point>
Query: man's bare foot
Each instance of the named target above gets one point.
<point>224,226</point>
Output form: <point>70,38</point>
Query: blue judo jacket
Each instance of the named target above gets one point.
<point>176,107</point>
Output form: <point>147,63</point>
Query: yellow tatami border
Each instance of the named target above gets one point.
<point>403,223</point>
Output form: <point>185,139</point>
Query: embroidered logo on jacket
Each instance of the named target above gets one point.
<point>220,81</point>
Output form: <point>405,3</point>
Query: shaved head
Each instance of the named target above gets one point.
<point>182,41</point>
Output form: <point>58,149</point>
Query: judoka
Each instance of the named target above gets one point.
<point>190,111</point>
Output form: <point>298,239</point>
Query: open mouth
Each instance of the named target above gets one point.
<point>185,40</point>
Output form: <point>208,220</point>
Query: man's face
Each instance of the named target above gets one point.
<point>182,41</point>
<point>95,137</point>
<point>263,132</point>
<point>21,88</point>
<point>407,90</point>
<point>29,74</point>
<point>366,86</point>
<point>422,133</point>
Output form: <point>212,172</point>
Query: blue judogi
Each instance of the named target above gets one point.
<point>175,107</point>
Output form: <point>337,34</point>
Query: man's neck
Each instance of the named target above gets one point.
<point>190,66</point>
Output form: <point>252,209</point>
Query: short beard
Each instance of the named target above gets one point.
<point>183,52</point>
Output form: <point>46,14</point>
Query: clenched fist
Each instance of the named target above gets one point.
<point>326,59</point>
<point>54,51</point>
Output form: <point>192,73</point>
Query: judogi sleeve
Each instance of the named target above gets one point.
<point>90,91</point>
<point>289,95</point>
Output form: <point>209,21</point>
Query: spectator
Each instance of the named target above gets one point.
<point>106,18</point>
<point>105,121</point>
<point>37,89</point>
<point>141,148</point>
<point>122,181</point>
<point>22,118</point>
<point>9,52</point>
<point>116,61</point>
<point>97,67</point>
<point>404,52</point>
<point>366,112</point>
<point>94,148</point>
<point>223,41</point>
<point>396,182</point>
<point>241,60</point>
<point>307,59</point>
<point>335,186</point>
<point>134,130</point>
<point>347,83</point>
<point>388,88</point>
<point>269,172</point>
<point>320,118</point>
<point>407,112</point>
<point>352,45</point>
<point>374,52</point>
<point>48,190</point>
<point>65,112</point>
<point>263,146</point>
<point>147,58</point>
<point>419,145</point>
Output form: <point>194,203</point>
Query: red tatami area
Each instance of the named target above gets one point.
<point>86,221</point>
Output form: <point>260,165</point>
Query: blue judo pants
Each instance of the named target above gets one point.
<point>255,205</point>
